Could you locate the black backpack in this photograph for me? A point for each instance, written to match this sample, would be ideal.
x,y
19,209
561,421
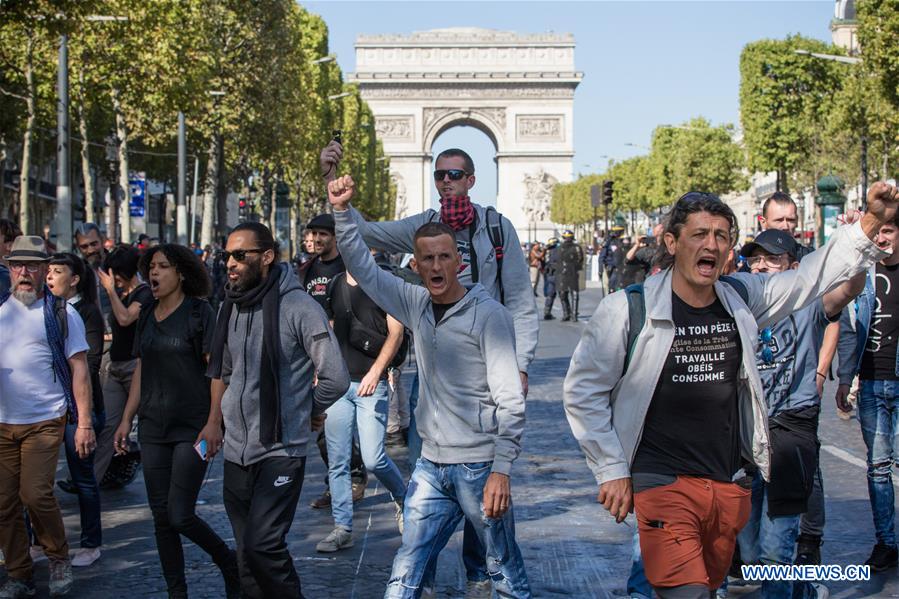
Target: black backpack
x,y
636,312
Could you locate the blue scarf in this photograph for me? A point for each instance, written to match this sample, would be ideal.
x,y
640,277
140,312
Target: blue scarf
x,y
58,348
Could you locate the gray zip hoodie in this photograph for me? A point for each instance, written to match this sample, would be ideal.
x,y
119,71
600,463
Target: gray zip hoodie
x,y
307,346
471,405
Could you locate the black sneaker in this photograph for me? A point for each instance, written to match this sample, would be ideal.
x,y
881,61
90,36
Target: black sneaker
x,y
808,550
883,557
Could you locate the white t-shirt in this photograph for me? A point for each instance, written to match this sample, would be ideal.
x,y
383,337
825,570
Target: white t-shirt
x,y
29,388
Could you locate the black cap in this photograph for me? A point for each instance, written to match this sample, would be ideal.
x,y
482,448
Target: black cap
x,y
322,221
772,241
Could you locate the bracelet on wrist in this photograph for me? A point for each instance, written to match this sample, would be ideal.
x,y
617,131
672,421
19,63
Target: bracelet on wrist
x,y
821,374
85,428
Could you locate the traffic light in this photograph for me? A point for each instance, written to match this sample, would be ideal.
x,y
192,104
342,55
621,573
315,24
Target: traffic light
x,y
607,191
242,210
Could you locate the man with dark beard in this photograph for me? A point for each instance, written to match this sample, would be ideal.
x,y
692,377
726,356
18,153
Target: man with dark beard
x,y
271,341
45,383
90,244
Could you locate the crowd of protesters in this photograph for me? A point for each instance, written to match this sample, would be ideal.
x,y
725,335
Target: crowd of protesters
x,y
694,393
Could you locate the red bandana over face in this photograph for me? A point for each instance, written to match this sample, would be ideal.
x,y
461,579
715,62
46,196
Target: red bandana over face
x,y
457,212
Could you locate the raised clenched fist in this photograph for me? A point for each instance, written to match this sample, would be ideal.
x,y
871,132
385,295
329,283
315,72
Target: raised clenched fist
x,y
340,192
883,201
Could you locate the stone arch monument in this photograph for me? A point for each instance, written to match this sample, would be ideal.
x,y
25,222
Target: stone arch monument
x,y
517,89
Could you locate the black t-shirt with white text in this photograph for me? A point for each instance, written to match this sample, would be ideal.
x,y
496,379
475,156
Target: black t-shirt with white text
x,y
692,426
319,276
879,358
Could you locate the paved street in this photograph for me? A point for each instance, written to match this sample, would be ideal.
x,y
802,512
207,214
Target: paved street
x,y
571,547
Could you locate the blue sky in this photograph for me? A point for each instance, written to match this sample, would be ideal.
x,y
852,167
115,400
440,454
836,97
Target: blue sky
x,y
644,63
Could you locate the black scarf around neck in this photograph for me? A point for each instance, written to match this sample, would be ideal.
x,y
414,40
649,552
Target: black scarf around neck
x,y
269,295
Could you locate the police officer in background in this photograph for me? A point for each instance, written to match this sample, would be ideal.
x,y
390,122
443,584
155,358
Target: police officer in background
x,y
570,261
549,277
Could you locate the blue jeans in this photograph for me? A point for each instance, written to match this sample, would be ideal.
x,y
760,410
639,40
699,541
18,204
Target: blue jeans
x,y
368,416
82,472
766,540
637,584
473,551
877,413
439,496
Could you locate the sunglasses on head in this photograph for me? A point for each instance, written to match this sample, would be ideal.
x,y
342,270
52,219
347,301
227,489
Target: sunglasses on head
x,y
239,255
765,339
454,174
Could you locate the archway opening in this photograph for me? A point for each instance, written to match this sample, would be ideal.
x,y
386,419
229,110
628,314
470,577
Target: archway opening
x,y
482,150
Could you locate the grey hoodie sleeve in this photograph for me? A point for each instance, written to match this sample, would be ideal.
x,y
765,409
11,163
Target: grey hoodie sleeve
x,y
394,236
774,297
519,297
396,297
505,387
846,347
321,346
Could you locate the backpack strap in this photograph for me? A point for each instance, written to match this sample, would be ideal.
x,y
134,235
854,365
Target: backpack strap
x,y
196,327
4,297
636,317
495,231
737,286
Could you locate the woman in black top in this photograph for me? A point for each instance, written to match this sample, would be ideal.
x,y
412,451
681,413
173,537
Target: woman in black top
x,y
170,392
71,279
127,294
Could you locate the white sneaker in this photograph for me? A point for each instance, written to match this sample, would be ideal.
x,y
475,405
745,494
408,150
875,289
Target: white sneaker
x,y
85,556
37,554
399,515
340,538
822,592
478,589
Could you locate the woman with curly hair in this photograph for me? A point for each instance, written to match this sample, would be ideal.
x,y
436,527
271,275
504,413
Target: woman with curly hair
x,y
179,426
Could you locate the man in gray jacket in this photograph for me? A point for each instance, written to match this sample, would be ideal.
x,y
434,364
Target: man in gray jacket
x,y
471,412
271,341
667,423
454,177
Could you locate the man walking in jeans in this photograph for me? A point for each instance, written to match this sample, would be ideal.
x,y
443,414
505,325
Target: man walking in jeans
x,y
45,381
787,362
503,272
271,341
471,411
668,420
360,326
869,331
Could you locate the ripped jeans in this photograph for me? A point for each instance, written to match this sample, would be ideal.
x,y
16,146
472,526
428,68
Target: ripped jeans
x,y
437,498
878,413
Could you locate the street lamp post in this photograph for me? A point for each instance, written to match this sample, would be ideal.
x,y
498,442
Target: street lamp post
x,y
181,206
112,153
864,138
63,183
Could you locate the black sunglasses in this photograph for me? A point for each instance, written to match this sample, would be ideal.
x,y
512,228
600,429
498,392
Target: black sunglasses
x,y
454,174
238,255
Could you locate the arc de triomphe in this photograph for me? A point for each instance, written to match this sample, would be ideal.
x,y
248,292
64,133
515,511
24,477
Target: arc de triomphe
x,y
517,89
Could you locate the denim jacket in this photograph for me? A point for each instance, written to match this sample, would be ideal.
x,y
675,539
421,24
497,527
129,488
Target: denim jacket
x,y
606,410
855,325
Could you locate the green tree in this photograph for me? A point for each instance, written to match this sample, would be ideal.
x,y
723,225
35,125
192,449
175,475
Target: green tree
x,y
784,98
878,34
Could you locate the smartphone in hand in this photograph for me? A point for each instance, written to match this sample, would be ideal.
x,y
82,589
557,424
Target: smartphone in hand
x,y
200,448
